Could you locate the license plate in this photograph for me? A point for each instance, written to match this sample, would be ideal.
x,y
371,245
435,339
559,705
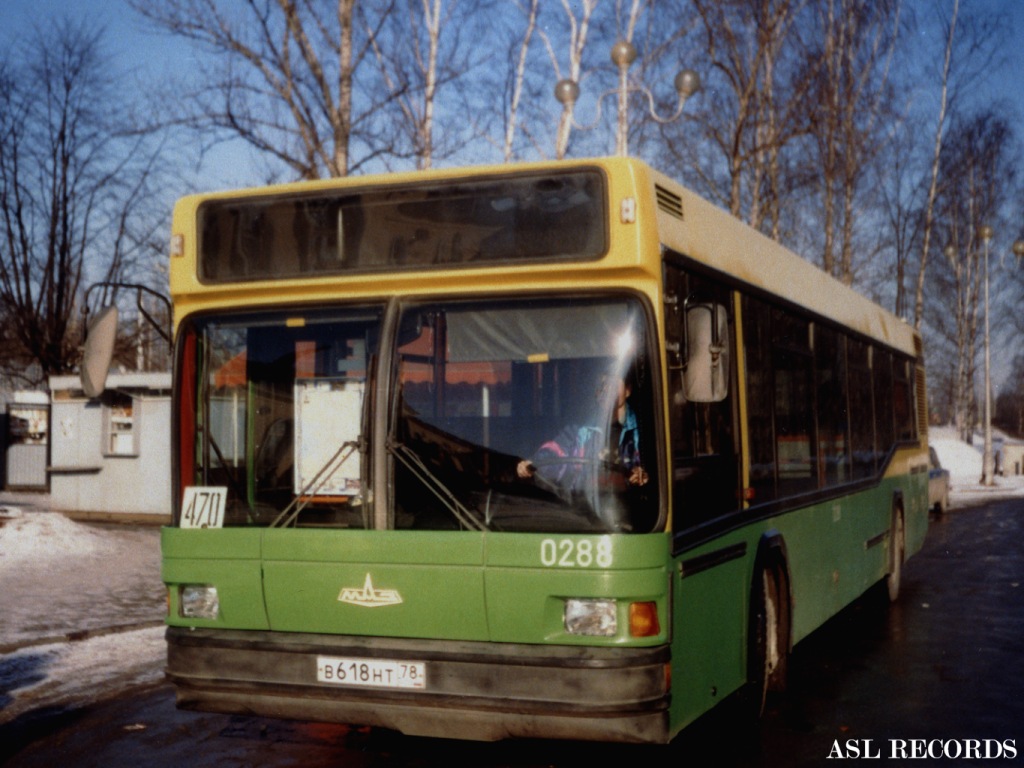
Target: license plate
x,y
371,673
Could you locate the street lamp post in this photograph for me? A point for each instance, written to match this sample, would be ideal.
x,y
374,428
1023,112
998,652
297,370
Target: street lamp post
x,y
987,459
623,54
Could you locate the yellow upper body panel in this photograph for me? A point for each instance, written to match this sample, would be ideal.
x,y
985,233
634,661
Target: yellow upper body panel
x,y
646,210
632,257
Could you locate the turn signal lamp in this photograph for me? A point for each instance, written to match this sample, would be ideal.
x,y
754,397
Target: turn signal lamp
x,y
198,601
643,619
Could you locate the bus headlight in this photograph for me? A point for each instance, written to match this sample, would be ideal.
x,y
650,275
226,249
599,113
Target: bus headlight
x,y
198,601
596,618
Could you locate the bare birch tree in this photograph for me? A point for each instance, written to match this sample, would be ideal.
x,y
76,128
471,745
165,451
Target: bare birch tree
x,y
858,39
428,66
752,107
970,43
775,122
977,176
929,207
959,288
516,81
75,192
579,28
288,78
426,51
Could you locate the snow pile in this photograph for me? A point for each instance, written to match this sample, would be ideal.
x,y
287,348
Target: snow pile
x,y
964,464
81,611
61,578
34,535
962,460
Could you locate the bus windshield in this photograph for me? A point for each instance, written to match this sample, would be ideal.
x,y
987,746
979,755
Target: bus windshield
x,y
279,412
505,416
525,416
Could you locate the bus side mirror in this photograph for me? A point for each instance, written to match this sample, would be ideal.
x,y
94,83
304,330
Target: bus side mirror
x,y
706,378
99,351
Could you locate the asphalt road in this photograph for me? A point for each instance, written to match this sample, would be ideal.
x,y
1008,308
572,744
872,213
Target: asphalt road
x,y
937,678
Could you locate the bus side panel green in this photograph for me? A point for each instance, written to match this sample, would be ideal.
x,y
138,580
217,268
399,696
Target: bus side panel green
x,y
867,517
710,634
529,577
839,549
811,551
831,557
228,559
375,583
835,550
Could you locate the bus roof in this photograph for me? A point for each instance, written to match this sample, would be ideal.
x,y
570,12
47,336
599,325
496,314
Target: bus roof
x,y
705,233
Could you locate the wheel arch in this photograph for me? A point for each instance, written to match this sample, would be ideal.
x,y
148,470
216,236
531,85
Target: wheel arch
x,y
767,655
772,554
897,545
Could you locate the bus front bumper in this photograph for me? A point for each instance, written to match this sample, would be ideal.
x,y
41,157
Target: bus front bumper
x,y
479,691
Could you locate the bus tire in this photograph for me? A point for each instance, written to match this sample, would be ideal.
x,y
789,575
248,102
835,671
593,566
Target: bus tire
x,y
897,549
768,654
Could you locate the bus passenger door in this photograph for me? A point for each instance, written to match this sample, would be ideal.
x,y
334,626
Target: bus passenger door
x,y
710,592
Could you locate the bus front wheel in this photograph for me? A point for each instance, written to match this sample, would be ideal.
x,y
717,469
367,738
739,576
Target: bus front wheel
x,y
769,637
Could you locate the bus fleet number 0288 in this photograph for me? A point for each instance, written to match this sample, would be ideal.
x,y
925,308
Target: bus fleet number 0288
x,y
576,553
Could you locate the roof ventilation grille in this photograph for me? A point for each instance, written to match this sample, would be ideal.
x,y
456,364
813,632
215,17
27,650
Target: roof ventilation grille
x,y
669,202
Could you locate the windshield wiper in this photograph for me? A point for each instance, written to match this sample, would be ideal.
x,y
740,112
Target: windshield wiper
x,y
411,461
291,513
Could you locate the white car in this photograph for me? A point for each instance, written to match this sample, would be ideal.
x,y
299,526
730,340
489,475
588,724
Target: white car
x,y
938,483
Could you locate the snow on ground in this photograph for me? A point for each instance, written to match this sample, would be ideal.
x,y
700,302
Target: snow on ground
x,y
60,577
74,674
964,464
82,608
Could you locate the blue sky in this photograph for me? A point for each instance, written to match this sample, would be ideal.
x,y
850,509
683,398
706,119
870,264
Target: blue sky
x,y
128,39
142,53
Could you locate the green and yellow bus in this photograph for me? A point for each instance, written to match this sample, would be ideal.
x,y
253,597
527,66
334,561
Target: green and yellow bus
x,y
548,450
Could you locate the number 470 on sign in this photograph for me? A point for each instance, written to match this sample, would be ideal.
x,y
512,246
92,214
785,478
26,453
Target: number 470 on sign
x,y
203,507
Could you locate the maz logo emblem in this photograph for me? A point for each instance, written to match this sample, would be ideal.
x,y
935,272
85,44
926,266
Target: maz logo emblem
x,y
368,597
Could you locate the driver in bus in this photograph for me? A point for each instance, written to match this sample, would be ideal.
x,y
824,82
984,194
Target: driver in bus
x,y
562,459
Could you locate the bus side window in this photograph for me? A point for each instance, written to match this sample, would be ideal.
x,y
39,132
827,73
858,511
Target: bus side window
x,y
834,458
793,368
757,353
862,421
